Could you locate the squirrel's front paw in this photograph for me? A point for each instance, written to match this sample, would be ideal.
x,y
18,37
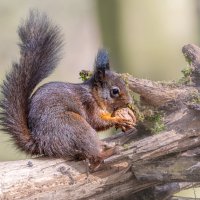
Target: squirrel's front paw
x,y
125,119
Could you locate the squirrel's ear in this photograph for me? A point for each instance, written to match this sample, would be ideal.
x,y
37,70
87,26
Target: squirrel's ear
x,y
101,65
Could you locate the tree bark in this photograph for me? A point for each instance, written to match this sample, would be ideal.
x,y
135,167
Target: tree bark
x,y
148,166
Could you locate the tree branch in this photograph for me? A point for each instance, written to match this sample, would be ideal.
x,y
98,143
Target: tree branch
x,y
153,166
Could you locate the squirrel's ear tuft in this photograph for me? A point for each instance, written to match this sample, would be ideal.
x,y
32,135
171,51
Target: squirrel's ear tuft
x,y
102,60
101,65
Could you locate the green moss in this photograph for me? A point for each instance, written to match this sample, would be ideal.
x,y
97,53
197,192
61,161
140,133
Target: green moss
x,y
146,115
136,107
195,98
126,146
158,127
186,79
154,122
187,72
85,75
188,60
138,114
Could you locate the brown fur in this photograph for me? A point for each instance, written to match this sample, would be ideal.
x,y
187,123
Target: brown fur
x,y
59,119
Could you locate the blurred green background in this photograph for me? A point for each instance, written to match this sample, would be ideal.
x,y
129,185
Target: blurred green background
x,y
143,37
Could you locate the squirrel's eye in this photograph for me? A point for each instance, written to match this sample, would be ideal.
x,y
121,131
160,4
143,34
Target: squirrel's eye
x,y
115,92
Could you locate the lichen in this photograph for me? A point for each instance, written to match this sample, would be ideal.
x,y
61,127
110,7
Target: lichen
x,y
147,116
126,146
188,60
169,84
85,75
156,123
136,107
186,78
125,76
195,98
125,79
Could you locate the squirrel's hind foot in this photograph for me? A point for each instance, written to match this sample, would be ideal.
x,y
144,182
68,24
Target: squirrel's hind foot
x,y
105,153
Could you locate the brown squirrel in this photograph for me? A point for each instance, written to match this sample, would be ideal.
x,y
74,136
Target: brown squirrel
x,y
59,119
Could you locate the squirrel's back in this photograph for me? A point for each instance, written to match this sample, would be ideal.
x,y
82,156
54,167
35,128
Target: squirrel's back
x,y
40,47
59,119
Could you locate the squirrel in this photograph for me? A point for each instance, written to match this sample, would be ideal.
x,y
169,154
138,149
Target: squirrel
x,y
59,119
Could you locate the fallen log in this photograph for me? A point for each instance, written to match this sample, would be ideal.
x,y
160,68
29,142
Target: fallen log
x,y
150,165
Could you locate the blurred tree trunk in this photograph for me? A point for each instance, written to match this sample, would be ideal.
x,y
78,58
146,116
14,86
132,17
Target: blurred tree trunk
x,y
197,4
109,15
145,37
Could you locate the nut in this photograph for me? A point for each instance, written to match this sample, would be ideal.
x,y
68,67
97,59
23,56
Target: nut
x,y
128,115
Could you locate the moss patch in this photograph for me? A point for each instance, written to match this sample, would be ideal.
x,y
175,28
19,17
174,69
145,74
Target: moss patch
x,y
155,122
195,98
188,60
151,119
85,75
186,79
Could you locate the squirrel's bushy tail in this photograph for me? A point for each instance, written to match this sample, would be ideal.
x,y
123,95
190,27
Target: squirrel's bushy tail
x,y
40,47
